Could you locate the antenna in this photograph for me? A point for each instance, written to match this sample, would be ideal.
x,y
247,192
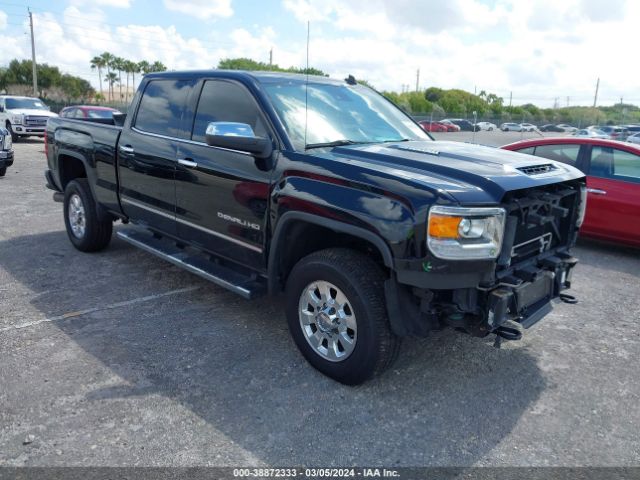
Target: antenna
x,y
306,89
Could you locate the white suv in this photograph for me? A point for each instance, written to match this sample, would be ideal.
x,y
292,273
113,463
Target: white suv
x,y
24,116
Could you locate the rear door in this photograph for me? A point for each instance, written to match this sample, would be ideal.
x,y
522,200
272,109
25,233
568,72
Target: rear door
x,y
613,202
147,153
221,194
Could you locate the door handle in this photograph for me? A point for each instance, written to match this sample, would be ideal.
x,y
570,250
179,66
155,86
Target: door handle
x,y
126,149
596,191
188,163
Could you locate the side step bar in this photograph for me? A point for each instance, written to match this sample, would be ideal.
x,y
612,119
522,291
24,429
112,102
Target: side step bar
x,y
248,286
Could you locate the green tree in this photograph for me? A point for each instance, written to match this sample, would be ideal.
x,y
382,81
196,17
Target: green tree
x,y
97,62
158,66
252,65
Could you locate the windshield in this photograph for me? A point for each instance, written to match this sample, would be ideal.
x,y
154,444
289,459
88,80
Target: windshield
x,y
337,113
33,103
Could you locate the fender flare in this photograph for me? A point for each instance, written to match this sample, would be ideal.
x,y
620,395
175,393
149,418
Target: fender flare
x,y
293,216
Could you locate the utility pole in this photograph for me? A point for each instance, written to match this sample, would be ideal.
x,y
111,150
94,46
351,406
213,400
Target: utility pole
x,y
510,98
418,80
33,56
271,56
568,100
595,97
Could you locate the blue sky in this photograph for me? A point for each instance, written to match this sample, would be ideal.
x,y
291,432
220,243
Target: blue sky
x,y
541,50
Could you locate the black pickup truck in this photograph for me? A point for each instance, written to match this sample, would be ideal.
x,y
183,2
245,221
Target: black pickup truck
x,y
324,190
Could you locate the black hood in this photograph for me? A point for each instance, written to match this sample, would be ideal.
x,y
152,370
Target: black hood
x,y
480,174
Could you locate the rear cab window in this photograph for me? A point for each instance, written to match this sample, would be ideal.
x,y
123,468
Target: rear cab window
x,y
162,107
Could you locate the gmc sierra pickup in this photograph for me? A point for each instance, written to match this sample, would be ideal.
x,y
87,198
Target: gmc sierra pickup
x,y
325,191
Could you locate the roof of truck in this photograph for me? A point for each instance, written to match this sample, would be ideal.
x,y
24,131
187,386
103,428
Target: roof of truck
x,y
259,76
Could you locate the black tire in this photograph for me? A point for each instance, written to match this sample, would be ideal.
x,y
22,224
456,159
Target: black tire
x,y
97,233
3,171
14,137
491,129
362,282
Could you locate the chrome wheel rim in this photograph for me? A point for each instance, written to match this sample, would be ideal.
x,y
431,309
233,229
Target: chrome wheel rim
x,y
328,321
77,219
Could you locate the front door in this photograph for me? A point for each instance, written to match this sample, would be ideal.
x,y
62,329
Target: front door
x,y
221,194
613,186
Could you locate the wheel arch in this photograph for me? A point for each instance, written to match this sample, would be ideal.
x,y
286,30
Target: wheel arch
x,y
295,224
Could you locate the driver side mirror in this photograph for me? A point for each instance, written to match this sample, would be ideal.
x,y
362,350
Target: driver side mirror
x,y
237,136
1,108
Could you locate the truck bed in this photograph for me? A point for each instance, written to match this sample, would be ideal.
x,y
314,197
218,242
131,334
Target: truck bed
x,y
81,140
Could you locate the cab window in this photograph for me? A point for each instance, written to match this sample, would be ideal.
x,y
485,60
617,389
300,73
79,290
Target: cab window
x,y
222,101
565,153
607,162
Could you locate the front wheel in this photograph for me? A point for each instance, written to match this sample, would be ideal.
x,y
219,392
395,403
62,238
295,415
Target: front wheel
x,y
337,316
3,171
85,229
14,137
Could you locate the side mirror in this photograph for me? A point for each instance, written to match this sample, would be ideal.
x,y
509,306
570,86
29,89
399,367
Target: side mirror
x,y
1,108
237,136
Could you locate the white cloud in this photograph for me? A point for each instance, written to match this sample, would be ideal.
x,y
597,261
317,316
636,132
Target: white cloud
x,y
3,20
201,8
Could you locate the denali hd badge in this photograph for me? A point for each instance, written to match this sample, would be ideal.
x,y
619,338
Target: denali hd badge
x,y
239,221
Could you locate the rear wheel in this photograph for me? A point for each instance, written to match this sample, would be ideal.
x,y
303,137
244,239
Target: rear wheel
x,y
85,229
337,316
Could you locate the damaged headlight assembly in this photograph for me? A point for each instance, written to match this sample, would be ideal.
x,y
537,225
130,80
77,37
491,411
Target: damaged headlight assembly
x,y
464,233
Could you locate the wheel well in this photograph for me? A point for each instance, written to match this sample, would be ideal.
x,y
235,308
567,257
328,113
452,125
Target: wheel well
x,y
303,238
70,169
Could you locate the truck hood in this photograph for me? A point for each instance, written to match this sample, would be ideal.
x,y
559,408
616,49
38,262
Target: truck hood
x,y
31,111
470,173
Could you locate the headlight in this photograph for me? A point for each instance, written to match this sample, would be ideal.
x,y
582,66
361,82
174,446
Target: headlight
x,y
8,143
16,119
459,233
582,208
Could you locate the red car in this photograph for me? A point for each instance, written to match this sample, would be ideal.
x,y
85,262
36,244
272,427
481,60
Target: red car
x,y
613,182
88,111
433,126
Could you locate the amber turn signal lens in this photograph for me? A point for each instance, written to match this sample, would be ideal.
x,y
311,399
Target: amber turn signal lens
x,y
441,226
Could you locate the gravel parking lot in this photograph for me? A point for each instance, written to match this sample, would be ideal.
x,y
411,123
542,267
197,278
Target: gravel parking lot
x,y
118,358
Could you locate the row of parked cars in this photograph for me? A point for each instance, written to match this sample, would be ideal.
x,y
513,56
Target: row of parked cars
x,y
27,116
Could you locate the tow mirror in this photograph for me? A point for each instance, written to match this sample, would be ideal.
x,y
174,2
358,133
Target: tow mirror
x,y
237,136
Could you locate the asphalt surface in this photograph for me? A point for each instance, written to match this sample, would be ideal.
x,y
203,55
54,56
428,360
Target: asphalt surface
x,y
118,358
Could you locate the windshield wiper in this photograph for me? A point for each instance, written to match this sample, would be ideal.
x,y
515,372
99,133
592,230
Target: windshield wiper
x,y
335,143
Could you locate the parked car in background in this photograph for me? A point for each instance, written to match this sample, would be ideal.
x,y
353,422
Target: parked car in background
x,y
613,132
567,128
432,126
632,128
451,127
486,126
528,127
635,138
24,116
83,112
6,150
590,133
465,125
550,127
613,182
511,127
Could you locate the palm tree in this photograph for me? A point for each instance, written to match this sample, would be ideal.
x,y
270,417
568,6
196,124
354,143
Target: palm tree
x,y
98,62
135,68
112,77
158,66
144,67
107,58
130,69
118,65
